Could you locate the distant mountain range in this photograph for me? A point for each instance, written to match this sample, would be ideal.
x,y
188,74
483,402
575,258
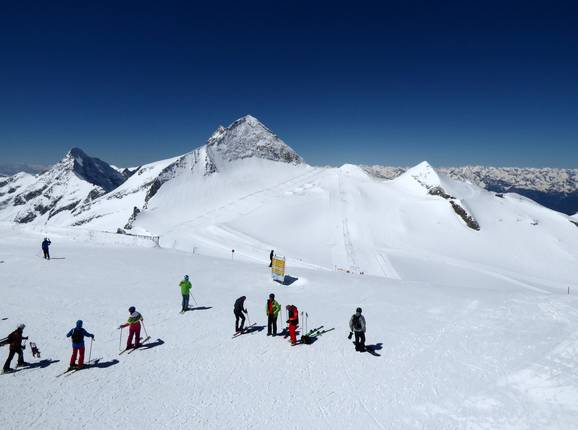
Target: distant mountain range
x,y
556,189
81,189
9,169
246,189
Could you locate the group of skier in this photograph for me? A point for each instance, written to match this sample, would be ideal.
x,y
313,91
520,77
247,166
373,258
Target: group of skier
x,y
357,325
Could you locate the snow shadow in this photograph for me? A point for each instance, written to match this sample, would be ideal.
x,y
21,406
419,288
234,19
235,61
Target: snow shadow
x,y
199,308
253,329
151,345
372,348
40,364
103,364
288,280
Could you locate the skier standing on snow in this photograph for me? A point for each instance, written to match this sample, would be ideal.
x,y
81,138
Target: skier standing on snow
x,y
238,310
15,340
271,258
45,244
357,326
272,310
293,322
186,286
78,334
134,325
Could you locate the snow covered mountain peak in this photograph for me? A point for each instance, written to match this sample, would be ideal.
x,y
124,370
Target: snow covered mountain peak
x,y
90,169
247,137
77,178
424,174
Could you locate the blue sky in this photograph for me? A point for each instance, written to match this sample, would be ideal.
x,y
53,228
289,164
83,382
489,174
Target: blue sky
x,y
394,83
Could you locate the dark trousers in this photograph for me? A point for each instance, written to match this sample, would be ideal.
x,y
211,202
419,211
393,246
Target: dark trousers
x,y
359,341
272,325
46,254
186,302
239,316
11,355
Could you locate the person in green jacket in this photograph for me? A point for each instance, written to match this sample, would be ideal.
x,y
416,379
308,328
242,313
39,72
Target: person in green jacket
x,y
272,311
186,286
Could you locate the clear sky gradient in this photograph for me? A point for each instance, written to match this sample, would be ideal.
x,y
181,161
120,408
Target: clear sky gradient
x,y
493,83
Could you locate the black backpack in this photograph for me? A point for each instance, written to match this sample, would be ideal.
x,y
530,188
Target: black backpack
x,y
77,335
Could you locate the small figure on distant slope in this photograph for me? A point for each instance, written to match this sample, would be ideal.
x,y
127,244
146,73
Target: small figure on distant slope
x,y
238,310
271,258
15,340
134,325
357,326
293,322
272,310
78,334
186,286
45,244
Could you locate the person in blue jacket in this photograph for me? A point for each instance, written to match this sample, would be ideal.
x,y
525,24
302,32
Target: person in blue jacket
x,y
78,334
45,244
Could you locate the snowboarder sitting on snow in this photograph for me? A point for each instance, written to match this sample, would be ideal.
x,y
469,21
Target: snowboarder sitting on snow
x,y
293,322
271,258
272,310
15,340
77,334
357,326
45,244
238,310
186,286
134,325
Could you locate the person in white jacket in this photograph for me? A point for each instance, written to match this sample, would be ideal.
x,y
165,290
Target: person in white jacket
x,y
357,325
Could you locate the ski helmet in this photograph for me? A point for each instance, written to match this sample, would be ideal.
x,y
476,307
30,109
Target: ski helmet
x,y
271,296
79,323
21,326
131,309
358,310
186,277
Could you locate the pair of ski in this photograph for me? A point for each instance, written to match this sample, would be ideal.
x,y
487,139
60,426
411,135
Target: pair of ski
x,y
88,365
312,334
244,331
131,350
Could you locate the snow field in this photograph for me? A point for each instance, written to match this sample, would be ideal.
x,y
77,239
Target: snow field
x,y
478,355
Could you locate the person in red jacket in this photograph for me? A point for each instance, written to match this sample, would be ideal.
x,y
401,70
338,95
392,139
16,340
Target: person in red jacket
x,y
293,322
134,328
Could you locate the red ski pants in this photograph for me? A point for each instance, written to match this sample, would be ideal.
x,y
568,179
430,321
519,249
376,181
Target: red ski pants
x,y
75,352
292,334
133,332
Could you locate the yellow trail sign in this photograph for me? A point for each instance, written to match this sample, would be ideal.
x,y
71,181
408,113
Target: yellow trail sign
x,y
278,269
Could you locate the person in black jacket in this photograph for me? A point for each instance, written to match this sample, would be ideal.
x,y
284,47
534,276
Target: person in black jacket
x,y
45,244
238,310
271,258
15,339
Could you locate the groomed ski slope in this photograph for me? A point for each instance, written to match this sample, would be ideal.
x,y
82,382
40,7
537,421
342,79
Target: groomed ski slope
x,y
479,355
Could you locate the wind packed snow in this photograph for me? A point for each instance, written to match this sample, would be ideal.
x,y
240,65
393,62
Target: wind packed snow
x,y
461,348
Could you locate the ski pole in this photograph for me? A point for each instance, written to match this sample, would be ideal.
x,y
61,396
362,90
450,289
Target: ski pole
x,y
90,350
194,300
120,340
248,318
145,329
